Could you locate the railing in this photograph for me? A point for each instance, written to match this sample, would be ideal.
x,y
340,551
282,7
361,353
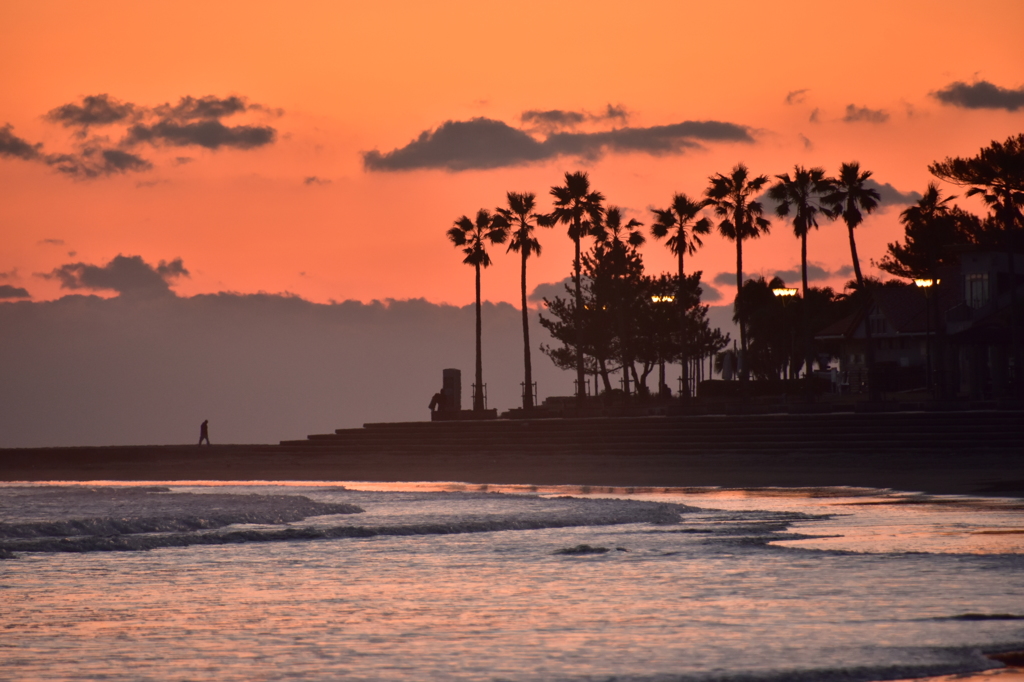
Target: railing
x,y
474,396
522,394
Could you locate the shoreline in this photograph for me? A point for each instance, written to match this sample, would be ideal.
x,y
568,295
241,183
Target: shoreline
x,y
987,474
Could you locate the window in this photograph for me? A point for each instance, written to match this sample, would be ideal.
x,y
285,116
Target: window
x,y
976,289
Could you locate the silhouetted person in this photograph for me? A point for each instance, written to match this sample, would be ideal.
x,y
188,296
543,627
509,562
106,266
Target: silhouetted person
x,y
438,402
204,432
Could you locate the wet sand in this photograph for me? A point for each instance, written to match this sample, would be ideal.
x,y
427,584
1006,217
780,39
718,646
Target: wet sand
x,y
996,474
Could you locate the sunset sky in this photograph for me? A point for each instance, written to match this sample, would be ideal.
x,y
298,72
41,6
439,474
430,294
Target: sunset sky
x,y
268,147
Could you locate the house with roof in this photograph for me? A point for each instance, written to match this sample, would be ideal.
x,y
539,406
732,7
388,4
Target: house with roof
x,y
959,333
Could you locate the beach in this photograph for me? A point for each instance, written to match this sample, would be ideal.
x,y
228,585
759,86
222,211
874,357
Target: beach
x,y
978,474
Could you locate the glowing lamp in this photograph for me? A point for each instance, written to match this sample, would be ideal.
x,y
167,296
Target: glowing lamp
x,y
925,283
662,299
784,291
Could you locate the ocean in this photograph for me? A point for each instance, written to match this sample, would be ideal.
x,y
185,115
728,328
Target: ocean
x,y
449,581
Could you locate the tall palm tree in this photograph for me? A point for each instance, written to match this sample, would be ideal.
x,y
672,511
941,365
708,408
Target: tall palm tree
x,y
730,196
581,209
681,217
850,198
472,237
801,195
516,217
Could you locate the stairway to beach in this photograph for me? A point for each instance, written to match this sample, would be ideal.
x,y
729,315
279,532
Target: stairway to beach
x,y
936,433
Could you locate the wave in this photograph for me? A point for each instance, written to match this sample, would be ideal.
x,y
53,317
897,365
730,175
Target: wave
x,y
108,534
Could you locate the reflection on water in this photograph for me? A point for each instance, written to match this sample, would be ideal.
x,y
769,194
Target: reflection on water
x,y
838,583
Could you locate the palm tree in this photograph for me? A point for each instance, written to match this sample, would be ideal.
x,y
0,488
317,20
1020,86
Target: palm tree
x,y
849,199
730,195
680,216
801,194
516,218
471,236
579,208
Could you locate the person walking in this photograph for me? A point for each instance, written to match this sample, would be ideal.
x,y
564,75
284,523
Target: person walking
x,y
204,432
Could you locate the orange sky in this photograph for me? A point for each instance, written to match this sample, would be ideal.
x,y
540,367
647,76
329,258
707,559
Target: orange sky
x,y
341,79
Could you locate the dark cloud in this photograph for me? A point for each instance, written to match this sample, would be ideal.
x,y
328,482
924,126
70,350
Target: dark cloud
x,y
725,278
194,108
890,196
52,242
84,370
807,142
482,143
558,119
316,180
981,95
95,110
13,146
709,294
796,96
192,122
549,290
210,133
93,163
844,271
856,114
8,291
815,115
127,275
555,118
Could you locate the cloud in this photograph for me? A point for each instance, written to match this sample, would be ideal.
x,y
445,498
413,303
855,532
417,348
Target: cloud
x,y
191,122
211,134
807,142
14,147
844,271
796,96
815,273
709,294
8,291
890,196
127,275
52,242
815,116
315,180
981,95
549,290
551,120
93,163
261,367
725,278
95,110
856,114
483,143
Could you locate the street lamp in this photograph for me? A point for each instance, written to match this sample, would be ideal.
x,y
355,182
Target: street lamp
x,y
927,285
784,291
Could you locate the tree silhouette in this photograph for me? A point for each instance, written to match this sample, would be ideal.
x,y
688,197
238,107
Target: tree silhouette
x,y
472,237
679,220
615,250
516,217
731,195
850,199
579,208
996,174
932,231
800,195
